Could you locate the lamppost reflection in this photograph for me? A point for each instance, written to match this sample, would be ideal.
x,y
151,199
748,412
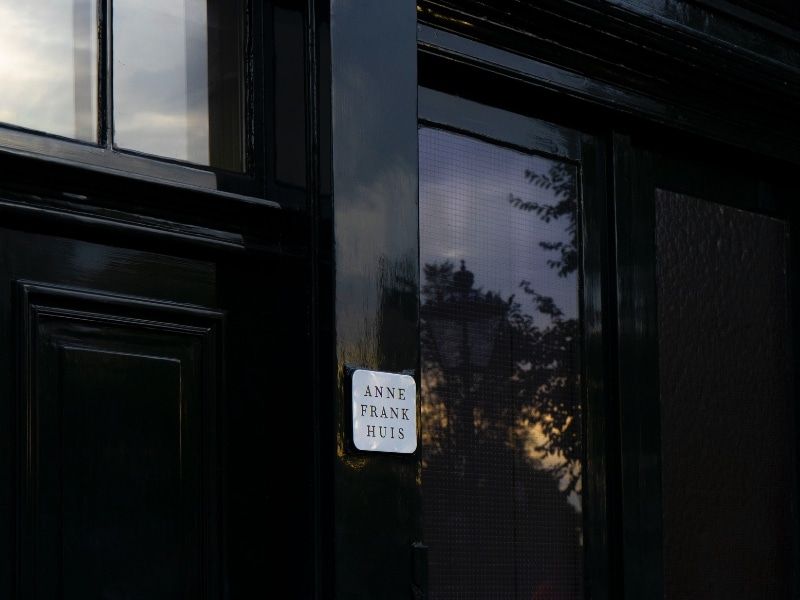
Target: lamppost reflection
x,y
466,329
465,325
497,523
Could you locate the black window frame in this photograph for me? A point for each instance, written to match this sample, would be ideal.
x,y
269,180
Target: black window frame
x,y
102,157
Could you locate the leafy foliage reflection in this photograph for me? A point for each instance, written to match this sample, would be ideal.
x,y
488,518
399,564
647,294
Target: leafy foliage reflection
x,y
524,392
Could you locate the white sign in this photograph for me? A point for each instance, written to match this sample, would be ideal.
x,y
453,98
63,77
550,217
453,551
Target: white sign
x,y
384,412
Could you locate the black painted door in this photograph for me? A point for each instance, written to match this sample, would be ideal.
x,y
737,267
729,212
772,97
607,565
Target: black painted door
x,y
110,390
142,449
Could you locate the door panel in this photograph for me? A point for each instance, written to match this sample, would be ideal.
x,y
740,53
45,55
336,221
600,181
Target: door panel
x,y
118,360
726,405
707,391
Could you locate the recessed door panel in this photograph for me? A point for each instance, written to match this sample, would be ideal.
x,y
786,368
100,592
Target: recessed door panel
x,y
115,421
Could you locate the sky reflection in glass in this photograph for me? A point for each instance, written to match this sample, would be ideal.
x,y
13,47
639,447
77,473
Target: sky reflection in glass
x,y
48,66
161,78
175,68
499,242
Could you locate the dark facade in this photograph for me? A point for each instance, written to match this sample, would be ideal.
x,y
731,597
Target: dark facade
x,y
180,329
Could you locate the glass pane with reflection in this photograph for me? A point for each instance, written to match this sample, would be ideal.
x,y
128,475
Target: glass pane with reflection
x,y
501,410
178,80
48,66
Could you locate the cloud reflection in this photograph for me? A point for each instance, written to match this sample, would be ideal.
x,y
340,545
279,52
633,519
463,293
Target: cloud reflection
x,y
39,43
49,73
161,78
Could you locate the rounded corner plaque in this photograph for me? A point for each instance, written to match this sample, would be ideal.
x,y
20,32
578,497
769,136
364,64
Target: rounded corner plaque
x,y
384,411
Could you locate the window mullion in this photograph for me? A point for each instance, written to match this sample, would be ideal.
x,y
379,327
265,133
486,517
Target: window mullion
x,y
105,120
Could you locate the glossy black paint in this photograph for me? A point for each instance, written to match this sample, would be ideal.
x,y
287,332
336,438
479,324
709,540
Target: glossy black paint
x,y
637,371
243,259
66,276
600,500
119,450
673,63
308,282
374,143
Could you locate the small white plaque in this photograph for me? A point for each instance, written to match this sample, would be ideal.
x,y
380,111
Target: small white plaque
x,y
384,412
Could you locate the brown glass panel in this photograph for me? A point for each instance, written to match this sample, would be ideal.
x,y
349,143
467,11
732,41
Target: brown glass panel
x,y
501,415
726,405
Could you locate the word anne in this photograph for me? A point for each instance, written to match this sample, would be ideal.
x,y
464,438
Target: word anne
x,y
390,392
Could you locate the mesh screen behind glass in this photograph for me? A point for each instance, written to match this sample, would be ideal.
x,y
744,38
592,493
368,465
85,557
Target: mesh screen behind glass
x,y
501,416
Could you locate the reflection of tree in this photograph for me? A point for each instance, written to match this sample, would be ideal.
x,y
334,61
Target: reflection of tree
x,y
543,378
551,379
560,180
461,326
502,419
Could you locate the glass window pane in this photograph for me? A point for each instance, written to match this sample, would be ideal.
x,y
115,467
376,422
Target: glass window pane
x,y
48,66
178,77
727,407
501,410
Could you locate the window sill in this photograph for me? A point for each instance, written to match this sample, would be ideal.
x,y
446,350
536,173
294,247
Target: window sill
x,y
77,154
